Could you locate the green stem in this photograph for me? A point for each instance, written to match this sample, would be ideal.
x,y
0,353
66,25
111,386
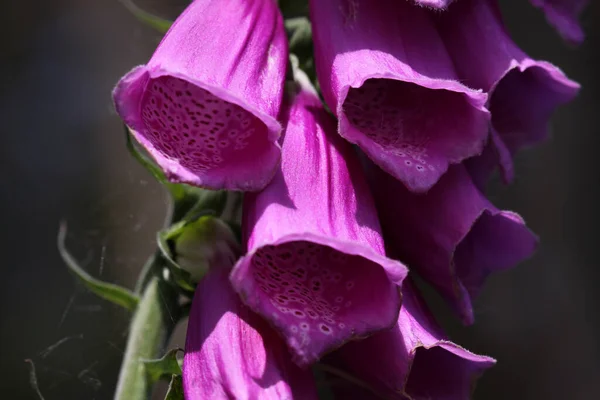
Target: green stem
x,y
158,310
151,326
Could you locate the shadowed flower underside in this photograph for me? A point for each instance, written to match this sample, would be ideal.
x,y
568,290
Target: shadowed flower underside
x,y
452,236
524,93
412,361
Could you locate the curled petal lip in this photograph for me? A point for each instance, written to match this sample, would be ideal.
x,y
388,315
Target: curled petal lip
x,y
570,87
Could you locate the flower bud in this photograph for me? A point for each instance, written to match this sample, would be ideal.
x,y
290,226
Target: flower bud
x,y
203,243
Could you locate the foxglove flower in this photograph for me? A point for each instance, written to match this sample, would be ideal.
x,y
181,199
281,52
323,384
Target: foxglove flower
x,y
413,360
315,265
452,236
232,353
563,15
523,92
205,105
386,74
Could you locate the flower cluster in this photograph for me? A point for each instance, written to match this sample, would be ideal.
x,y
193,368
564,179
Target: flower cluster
x,y
429,98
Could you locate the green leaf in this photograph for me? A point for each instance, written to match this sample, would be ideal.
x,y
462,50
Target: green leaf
x,y
108,291
160,24
163,367
175,391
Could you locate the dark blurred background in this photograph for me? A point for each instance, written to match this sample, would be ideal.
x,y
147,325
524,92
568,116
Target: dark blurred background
x,y
63,158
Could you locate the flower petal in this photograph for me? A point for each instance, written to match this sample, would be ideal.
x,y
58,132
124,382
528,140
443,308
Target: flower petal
x,y
413,360
232,353
524,93
385,72
563,15
206,115
315,265
435,4
452,236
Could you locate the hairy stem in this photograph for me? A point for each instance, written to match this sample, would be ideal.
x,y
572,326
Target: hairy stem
x,y
151,326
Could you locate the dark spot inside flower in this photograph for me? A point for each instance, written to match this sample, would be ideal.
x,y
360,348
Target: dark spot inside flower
x,y
157,112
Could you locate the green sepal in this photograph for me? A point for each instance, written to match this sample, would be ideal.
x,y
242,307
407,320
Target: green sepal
x,y
178,275
175,391
206,202
187,200
160,24
177,191
108,291
300,33
164,367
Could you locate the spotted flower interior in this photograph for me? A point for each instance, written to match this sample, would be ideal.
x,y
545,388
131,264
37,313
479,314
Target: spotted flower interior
x,y
395,116
198,129
317,295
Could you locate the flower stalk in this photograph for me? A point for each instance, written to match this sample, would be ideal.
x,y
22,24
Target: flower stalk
x,y
151,326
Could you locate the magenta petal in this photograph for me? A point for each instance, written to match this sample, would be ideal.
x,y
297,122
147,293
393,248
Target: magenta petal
x,y
435,4
414,359
563,15
208,116
452,236
315,265
524,93
385,71
231,353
